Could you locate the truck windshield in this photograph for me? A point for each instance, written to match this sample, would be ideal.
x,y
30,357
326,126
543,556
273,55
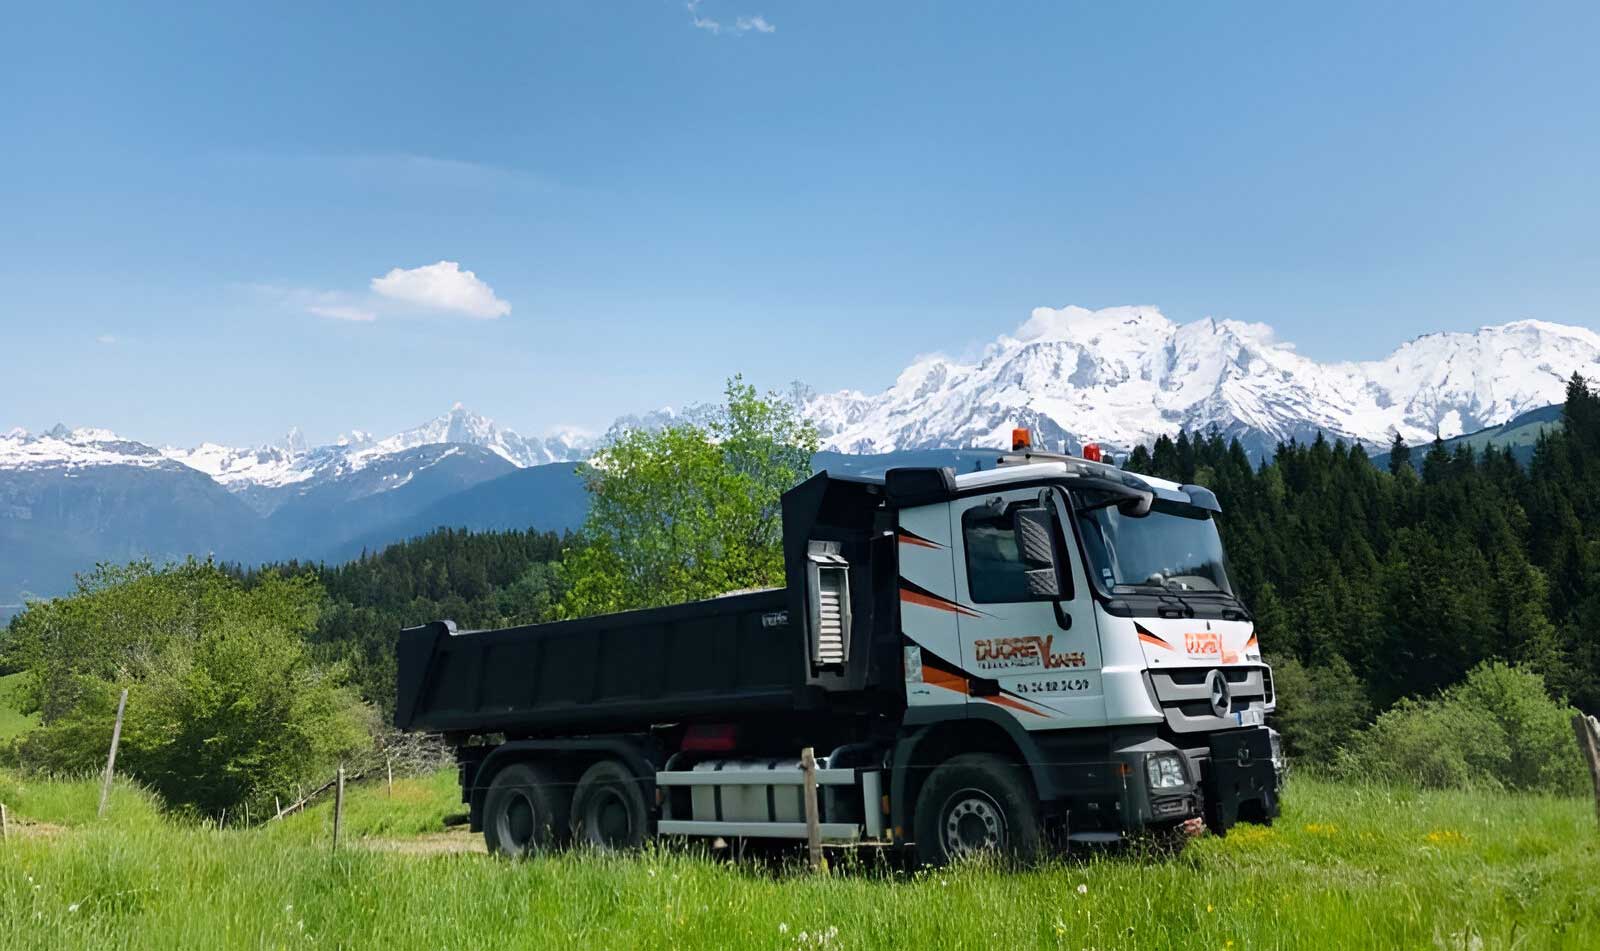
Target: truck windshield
x,y
1174,548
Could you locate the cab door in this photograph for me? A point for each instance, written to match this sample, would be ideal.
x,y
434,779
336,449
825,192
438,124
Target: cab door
x,y
1029,652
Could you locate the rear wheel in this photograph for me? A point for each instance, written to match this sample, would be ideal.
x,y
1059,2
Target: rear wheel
x,y
608,808
524,811
976,804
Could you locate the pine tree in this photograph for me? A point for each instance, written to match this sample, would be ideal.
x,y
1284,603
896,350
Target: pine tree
x,y
1399,454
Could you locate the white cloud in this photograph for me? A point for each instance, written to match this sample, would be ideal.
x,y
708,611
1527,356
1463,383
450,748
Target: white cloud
x,y
743,24
442,286
106,339
342,312
700,22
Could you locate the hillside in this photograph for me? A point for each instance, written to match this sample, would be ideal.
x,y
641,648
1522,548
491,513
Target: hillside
x,y
1518,436
548,497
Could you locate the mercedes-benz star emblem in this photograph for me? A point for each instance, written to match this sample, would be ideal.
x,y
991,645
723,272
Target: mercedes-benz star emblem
x,y
1221,696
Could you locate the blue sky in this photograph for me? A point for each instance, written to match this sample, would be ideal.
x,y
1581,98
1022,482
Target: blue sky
x,y
193,202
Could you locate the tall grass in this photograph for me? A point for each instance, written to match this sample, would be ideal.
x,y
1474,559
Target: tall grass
x,y
1345,867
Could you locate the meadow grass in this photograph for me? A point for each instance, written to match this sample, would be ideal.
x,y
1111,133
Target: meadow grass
x,y
1345,867
13,722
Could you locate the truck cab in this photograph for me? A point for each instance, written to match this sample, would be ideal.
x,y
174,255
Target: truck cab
x,y
1088,614
1044,652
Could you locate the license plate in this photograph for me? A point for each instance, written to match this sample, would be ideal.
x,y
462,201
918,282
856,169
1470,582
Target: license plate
x,y
1247,717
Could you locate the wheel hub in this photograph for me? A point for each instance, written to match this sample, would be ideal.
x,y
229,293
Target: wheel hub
x,y
610,819
518,825
973,823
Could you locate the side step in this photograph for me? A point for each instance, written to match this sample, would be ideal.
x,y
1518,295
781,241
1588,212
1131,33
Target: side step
x,y
831,831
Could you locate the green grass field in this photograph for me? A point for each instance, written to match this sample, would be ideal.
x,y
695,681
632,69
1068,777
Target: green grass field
x,y
1345,867
13,722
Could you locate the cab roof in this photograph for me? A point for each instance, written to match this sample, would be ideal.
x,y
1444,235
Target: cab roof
x,y
911,486
1055,468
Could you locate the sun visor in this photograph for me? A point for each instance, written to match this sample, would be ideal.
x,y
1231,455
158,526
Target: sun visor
x,y
1202,498
919,486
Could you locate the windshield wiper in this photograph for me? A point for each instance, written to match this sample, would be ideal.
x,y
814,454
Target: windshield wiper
x,y
1185,609
1236,611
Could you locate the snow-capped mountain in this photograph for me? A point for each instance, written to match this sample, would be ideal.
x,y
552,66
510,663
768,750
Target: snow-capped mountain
x,y
1125,375
1118,376
264,475
462,427
63,448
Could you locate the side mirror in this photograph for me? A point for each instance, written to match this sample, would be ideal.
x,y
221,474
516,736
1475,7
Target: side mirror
x,y
1035,532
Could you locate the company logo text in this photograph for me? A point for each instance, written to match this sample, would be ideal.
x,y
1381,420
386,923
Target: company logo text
x,y
1033,651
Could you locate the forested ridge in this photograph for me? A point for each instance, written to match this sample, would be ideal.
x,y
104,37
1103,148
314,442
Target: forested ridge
x,y
1389,584
477,579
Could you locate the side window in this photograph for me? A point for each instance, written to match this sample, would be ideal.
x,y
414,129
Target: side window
x,y
995,572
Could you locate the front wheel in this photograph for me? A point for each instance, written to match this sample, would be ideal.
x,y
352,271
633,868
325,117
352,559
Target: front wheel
x,y
976,804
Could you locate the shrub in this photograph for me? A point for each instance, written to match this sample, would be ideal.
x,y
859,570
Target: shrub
x,y
224,711
1498,728
1319,708
688,511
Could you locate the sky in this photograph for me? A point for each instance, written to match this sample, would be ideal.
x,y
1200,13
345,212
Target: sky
x,y
219,221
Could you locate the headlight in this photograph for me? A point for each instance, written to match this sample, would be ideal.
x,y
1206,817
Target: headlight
x,y
1165,770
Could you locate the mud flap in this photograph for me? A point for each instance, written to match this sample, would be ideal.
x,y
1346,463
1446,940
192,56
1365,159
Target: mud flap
x,y
1240,780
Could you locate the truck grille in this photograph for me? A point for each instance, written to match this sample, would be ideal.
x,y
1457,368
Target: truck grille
x,y
1185,697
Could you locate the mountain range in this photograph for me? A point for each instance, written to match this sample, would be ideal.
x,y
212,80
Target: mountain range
x,y
1125,375
1118,377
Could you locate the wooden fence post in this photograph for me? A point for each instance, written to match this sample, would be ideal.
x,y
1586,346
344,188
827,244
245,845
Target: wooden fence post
x,y
388,765
338,807
1589,743
111,759
808,763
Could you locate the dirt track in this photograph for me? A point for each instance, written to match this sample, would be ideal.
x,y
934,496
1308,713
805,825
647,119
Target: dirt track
x,y
433,843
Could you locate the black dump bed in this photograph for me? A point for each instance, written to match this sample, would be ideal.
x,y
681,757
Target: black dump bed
x,y
730,656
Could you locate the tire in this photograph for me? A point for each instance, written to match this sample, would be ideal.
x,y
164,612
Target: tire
x,y
974,805
525,811
608,808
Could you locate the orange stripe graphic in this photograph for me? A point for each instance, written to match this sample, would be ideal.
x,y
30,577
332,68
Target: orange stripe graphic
x,y
911,538
1005,701
1250,643
1149,638
944,678
929,601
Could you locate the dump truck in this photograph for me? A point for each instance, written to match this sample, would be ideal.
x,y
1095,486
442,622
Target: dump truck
x,y
1004,661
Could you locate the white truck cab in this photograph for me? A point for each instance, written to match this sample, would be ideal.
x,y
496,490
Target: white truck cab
x,y
1090,611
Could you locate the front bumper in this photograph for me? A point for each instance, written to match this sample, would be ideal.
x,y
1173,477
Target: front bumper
x,y
1239,778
